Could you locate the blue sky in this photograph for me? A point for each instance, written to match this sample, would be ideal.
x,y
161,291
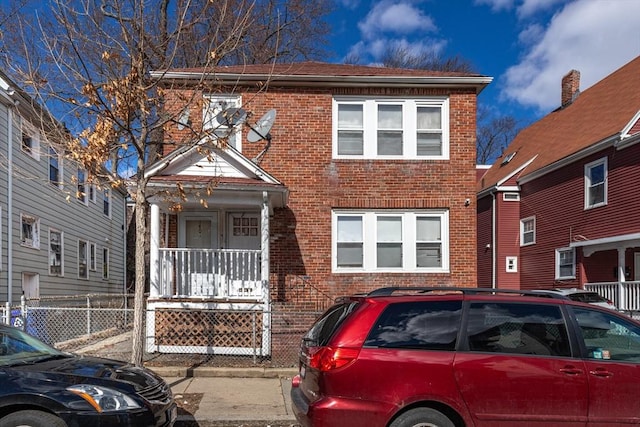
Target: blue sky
x,y
525,45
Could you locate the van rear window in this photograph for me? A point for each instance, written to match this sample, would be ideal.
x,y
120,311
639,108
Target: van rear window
x,y
324,328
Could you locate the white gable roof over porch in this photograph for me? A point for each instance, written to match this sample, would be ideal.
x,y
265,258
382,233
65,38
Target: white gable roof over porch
x,y
207,160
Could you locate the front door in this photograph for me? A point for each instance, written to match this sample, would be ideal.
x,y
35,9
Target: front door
x,y
243,260
636,266
198,232
244,230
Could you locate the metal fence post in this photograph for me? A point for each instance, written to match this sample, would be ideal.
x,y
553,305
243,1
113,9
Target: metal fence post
x,y
88,315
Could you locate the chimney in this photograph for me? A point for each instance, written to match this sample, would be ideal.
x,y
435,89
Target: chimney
x,y
570,87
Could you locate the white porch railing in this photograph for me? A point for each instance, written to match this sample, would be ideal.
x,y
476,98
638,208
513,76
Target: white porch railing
x,y
213,273
624,295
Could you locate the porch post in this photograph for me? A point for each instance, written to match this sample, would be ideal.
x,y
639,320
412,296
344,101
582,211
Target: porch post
x,y
264,246
154,252
622,295
264,276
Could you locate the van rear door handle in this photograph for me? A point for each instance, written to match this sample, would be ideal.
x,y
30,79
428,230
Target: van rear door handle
x,y
601,372
571,370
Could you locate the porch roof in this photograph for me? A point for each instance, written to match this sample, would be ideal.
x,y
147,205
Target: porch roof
x,y
278,193
607,243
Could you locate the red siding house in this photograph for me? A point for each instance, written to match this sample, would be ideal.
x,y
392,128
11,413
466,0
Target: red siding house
x,y
560,207
366,178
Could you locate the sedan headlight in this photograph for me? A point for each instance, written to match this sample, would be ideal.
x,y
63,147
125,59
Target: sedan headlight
x,y
104,399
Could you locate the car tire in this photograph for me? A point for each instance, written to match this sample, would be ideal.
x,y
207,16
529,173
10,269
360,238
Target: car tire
x,y
422,417
31,418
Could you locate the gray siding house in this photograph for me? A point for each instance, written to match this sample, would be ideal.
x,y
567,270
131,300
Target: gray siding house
x,y
59,233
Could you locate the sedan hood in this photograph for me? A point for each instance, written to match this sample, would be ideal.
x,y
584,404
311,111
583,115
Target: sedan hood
x,y
78,367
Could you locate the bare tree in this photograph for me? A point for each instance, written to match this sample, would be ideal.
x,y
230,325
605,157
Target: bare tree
x,y
494,134
89,61
402,57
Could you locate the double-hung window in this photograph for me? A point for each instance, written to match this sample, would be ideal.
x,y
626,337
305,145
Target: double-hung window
x,y
393,241
595,183
82,194
528,231
30,231
390,128
30,140
565,263
56,250
55,168
221,126
106,202
83,259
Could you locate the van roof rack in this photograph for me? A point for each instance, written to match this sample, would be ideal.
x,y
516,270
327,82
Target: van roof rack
x,y
391,290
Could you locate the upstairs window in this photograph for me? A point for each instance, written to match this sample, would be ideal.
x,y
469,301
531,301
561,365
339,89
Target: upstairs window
x,y
216,104
82,194
55,169
388,128
30,140
595,184
528,231
106,202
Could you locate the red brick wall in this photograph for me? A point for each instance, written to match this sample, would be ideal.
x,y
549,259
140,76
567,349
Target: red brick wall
x,y
300,156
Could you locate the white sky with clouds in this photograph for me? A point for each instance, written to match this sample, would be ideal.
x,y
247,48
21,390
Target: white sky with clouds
x,y
526,45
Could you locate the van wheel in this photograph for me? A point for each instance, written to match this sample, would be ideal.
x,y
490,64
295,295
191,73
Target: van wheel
x,y
31,419
422,417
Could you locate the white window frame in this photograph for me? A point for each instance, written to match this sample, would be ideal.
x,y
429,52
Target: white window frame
x,y
52,253
105,263
588,185
560,251
34,223
86,259
93,262
28,130
523,222
107,202
92,193
215,104
55,155
409,240
409,126
511,264
82,190
511,197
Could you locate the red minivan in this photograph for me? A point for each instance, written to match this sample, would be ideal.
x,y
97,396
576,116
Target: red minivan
x,y
445,357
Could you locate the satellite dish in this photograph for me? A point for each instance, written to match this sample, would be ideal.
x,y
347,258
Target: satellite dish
x,y
231,116
262,127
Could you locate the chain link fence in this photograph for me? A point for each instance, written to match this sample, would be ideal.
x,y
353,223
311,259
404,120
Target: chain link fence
x,y
181,336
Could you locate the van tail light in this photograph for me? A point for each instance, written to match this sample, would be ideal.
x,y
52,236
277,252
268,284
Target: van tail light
x,y
329,358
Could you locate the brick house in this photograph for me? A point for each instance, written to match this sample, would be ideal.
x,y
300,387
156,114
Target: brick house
x,y
366,178
558,209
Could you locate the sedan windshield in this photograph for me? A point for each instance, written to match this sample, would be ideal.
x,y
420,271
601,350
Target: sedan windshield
x,y
17,347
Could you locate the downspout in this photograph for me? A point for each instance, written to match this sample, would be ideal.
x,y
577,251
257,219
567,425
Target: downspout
x,y
493,240
125,229
10,205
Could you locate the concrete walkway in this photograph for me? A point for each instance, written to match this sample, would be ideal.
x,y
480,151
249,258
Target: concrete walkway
x,y
216,397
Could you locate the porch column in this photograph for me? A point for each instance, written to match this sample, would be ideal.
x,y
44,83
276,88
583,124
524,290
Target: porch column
x,y
264,246
622,295
154,252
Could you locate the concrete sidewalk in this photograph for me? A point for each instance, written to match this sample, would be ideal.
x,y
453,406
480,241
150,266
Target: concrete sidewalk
x,y
213,396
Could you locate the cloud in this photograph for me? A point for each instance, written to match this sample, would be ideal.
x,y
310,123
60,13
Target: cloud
x,y
595,37
497,5
395,17
392,23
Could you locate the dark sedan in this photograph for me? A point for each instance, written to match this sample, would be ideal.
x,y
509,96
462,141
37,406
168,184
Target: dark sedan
x,y
44,387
